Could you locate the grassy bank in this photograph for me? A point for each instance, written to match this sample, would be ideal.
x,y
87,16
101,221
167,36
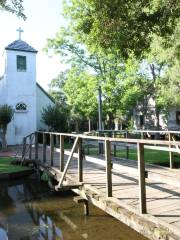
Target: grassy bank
x,y
7,167
151,156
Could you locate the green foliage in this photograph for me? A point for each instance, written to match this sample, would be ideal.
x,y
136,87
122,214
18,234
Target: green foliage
x,y
13,6
6,114
130,48
124,25
81,91
55,117
55,88
96,66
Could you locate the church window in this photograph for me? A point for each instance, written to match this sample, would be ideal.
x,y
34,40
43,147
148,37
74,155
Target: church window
x,y
21,63
21,107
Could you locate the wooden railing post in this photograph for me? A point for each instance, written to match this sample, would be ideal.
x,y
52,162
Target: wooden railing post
x,y
36,145
44,147
80,160
30,146
24,148
51,149
100,144
114,145
61,153
127,147
108,168
171,159
142,183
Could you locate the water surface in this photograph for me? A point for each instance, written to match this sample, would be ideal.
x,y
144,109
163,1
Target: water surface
x,y
30,211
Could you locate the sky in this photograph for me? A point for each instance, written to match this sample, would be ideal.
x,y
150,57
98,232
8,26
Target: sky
x,y
44,17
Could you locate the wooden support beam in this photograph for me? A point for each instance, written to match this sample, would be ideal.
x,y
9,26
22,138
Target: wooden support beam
x,y
171,159
114,146
142,183
127,147
67,165
30,146
101,150
87,144
44,147
51,149
79,199
80,160
24,148
36,145
108,168
86,208
61,153
61,156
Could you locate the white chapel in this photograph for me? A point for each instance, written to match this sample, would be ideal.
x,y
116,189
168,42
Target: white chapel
x,y
18,88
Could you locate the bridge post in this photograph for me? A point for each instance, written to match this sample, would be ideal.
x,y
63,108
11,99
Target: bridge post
x,y
36,145
114,145
61,153
44,147
127,147
108,168
171,160
80,160
30,146
142,183
24,148
51,148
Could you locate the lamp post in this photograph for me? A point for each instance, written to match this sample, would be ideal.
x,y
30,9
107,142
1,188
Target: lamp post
x,y
100,117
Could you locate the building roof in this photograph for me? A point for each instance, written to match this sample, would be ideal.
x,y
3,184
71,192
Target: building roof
x,y
42,89
19,45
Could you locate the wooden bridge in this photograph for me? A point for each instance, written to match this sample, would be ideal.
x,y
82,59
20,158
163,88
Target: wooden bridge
x,y
145,197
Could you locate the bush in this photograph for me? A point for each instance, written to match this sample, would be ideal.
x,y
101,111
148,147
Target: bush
x,y
56,117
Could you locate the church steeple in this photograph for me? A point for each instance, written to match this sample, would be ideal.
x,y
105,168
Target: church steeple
x,y
19,45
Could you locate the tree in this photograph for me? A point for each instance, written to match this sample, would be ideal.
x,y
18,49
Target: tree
x,y
124,25
56,117
56,88
80,89
102,66
113,39
13,6
6,114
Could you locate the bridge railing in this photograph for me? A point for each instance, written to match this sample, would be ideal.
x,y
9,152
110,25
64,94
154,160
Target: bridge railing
x,y
32,142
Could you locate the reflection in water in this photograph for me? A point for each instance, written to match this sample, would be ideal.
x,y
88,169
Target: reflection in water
x,y
29,211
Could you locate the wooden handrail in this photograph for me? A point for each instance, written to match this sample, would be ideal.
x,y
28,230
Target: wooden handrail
x,y
125,140
162,145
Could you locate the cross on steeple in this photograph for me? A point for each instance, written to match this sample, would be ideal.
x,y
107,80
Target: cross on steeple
x,y
20,31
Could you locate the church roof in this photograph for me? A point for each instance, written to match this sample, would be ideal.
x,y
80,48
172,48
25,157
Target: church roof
x,y
19,45
42,89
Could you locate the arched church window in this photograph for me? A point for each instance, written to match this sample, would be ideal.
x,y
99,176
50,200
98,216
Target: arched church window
x,y
21,107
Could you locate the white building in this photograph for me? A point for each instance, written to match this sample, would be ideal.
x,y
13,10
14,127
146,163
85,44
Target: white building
x,y
18,88
145,118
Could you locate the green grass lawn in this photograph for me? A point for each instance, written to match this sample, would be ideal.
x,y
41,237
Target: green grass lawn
x,y
7,167
151,156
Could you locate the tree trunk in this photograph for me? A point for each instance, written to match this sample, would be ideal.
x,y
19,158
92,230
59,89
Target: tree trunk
x,y
4,141
157,126
76,126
